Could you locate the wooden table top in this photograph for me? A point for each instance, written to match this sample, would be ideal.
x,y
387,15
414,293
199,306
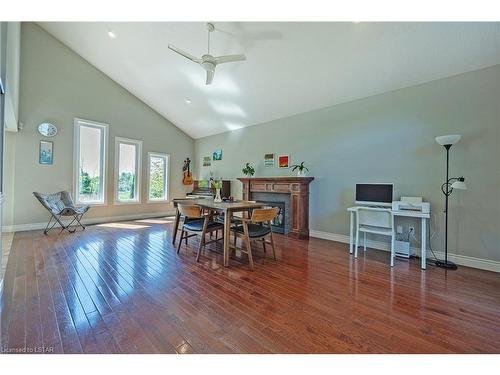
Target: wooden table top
x,y
222,206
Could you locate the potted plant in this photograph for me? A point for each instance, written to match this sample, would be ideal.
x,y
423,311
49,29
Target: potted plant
x,y
248,171
217,185
300,168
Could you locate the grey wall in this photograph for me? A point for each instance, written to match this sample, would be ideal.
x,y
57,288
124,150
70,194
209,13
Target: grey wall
x,y
57,85
388,138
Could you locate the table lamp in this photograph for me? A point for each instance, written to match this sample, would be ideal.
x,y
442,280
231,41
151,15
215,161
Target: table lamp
x,y
447,188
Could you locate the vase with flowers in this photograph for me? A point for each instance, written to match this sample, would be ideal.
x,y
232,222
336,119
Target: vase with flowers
x,y
217,185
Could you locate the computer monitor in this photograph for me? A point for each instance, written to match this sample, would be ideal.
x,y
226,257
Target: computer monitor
x,y
374,194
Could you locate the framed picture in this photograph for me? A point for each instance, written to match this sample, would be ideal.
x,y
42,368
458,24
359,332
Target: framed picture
x,y
217,155
46,154
269,160
284,161
206,161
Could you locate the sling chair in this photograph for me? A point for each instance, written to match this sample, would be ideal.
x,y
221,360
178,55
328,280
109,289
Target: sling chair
x,y
60,204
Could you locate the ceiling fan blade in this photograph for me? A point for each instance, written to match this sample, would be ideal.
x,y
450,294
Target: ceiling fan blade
x,y
185,54
229,58
210,76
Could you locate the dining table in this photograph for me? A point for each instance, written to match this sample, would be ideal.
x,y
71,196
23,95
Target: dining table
x,y
227,208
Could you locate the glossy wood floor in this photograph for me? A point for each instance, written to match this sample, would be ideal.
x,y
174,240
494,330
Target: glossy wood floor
x,y
121,288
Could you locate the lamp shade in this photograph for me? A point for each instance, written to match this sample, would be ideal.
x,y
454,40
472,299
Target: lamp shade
x,y
445,140
459,185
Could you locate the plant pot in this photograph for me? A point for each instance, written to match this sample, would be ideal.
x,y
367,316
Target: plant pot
x,y
301,173
217,198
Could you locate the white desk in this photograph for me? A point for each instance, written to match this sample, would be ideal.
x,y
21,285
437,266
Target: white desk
x,y
407,213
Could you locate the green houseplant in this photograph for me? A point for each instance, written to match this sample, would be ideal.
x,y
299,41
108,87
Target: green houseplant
x,y
300,168
248,170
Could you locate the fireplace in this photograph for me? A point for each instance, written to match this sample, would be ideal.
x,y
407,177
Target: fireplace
x,y
278,225
293,191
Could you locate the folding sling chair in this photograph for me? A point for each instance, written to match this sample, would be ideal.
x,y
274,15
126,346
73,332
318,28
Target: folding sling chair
x,y
60,204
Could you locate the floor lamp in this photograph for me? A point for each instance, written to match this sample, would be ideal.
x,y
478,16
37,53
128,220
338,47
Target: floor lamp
x,y
447,188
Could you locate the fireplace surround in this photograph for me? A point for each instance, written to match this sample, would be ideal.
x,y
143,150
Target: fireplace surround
x,y
296,188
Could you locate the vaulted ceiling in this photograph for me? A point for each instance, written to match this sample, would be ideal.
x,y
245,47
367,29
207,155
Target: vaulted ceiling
x,y
290,68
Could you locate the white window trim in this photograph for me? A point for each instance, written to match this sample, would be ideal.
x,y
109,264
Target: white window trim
x,y
167,177
138,161
76,159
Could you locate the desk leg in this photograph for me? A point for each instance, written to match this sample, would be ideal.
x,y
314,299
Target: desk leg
x,y
227,231
423,254
176,224
350,233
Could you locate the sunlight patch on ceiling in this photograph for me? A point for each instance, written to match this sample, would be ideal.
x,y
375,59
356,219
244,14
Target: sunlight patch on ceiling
x,y
222,84
227,108
233,126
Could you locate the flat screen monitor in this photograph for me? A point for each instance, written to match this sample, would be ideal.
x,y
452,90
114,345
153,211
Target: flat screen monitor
x,y
374,194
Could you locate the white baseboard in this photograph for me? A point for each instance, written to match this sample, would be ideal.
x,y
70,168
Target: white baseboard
x,y
463,260
95,220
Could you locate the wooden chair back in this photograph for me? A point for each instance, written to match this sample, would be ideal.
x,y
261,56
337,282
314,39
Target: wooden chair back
x,y
190,211
262,215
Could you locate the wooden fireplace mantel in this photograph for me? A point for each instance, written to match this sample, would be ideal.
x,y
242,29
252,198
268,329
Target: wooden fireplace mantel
x,y
296,187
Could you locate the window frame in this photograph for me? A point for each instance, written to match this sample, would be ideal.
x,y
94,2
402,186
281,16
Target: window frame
x,y
138,163
166,199
78,122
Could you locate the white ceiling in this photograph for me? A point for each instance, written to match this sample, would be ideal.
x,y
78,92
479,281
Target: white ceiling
x,y
290,68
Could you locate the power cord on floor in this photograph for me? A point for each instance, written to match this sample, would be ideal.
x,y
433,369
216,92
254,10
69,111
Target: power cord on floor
x,y
411,234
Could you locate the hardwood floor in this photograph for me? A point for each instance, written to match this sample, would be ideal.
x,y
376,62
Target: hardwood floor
x,y
121,288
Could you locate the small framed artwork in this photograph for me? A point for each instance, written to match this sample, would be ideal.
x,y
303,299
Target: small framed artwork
x,y
269,160
46,152
217,155
284,161
206,161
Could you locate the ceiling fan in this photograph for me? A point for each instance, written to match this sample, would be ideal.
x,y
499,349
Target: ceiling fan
x,y
207,61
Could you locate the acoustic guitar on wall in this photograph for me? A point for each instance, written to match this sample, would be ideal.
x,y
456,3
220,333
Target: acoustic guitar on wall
x,y
188,177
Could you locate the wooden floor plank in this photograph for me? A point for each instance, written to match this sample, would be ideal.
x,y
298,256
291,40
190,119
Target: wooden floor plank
x,y
50,330
124,289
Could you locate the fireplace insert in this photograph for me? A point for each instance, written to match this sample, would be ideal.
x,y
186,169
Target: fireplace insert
x,y
278,225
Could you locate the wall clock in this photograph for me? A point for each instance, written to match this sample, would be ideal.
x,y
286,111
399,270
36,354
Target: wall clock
x,y
47,129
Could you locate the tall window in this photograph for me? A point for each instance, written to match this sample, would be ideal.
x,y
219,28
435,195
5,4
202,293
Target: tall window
x,y
90,162
127,170
158,177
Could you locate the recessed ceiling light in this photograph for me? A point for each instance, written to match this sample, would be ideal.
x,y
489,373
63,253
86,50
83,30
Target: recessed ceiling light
x,y
111,34
188,101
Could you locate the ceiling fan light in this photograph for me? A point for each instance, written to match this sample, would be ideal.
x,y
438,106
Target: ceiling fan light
x,y
208,66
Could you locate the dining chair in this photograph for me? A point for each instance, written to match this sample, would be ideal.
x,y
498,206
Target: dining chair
x,y
376,221
256,227
196,222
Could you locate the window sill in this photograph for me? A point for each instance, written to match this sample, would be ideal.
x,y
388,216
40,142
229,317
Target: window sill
x,y
166,201
91,204
124,203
